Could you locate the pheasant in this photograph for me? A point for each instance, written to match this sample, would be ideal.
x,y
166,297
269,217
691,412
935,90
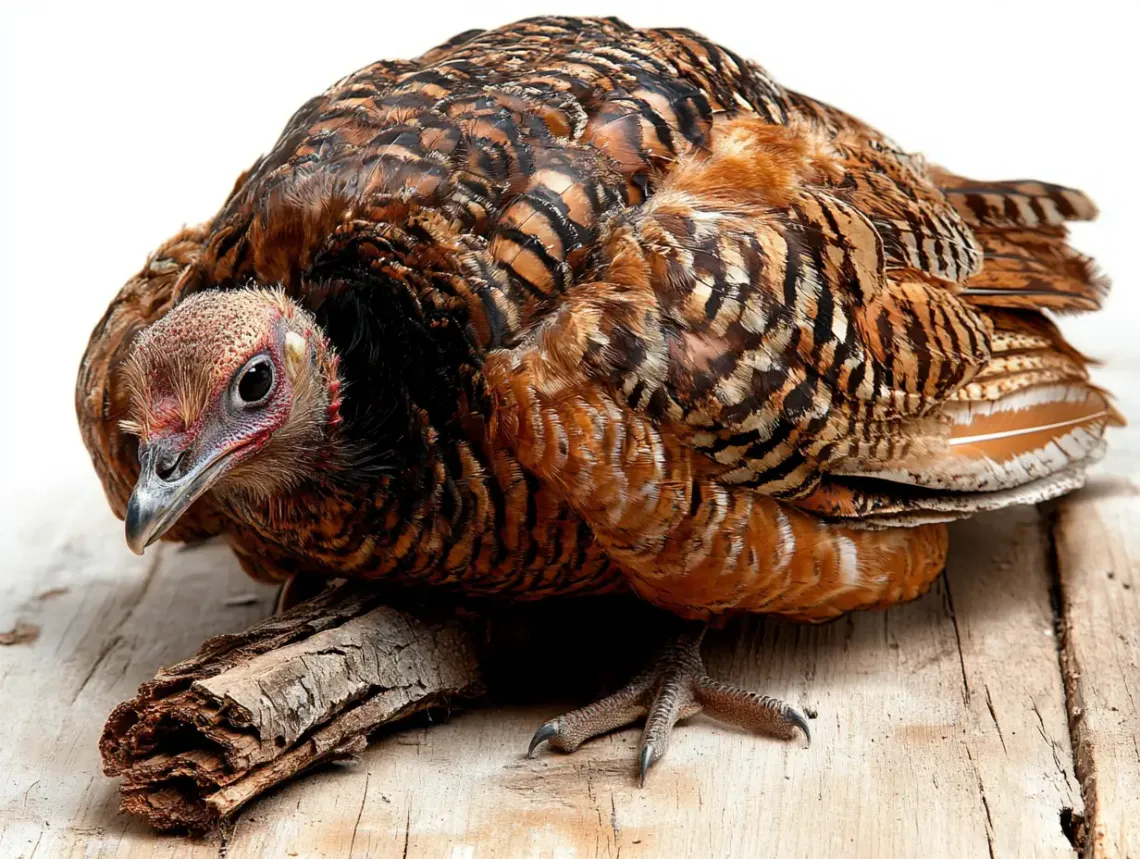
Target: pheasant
x,y
568,307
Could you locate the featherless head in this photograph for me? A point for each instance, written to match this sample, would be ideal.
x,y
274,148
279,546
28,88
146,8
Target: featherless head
x,y
233,391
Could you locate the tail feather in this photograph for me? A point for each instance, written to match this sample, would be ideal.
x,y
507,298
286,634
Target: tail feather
x,y
1035,269
1029,422
1012,441
1017,438
1014,204
1027,261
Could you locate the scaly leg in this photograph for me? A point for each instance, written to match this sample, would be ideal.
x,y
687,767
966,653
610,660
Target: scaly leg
x,y
675,687
298,588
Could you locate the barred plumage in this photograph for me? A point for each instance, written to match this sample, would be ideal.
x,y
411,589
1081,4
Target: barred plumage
x,y
612,308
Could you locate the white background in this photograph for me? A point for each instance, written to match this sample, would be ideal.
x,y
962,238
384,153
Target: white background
x,y
120,123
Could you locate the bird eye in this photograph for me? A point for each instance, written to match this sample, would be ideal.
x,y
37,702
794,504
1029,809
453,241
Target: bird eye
x,y
255,383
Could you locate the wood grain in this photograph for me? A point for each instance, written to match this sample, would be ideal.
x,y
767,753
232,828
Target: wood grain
x,y
941,728
1098,561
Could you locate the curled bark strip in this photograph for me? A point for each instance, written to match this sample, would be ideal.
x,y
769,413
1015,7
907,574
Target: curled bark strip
x,y
254,709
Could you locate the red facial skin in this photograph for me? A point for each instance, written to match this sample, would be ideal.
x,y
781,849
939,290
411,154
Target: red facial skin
x,y
185,369
224,428
198,435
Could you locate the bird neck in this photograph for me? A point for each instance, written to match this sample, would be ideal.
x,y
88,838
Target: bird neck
x,y
408,354
400,524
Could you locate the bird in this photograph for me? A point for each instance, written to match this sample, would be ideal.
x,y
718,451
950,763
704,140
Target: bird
x,y
571,308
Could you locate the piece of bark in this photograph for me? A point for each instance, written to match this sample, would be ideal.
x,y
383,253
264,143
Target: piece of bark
x,y
306,687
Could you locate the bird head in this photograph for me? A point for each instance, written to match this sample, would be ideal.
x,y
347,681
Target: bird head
x,y
232,391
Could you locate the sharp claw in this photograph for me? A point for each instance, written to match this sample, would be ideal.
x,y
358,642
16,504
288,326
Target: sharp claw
x,y
800,722
543,734
646,760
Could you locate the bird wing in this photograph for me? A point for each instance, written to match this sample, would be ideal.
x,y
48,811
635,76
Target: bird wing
x,y
802,305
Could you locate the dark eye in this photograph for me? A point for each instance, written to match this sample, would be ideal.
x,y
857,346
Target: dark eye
x,y
255,383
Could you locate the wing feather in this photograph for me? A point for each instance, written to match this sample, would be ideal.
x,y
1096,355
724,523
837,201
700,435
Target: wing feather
x,y
1029,413
763,321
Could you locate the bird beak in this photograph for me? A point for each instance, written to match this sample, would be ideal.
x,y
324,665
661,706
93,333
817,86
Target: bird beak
x,y
157,501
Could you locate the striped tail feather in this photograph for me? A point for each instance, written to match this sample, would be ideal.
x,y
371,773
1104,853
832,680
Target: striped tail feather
x,y
1037,269
1028,262
1013,204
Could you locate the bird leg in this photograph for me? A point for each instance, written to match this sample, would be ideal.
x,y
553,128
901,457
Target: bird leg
x,y
674,687
299,588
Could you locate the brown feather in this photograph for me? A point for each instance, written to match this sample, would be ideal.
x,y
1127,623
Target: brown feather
x,y
1035,269
1014,204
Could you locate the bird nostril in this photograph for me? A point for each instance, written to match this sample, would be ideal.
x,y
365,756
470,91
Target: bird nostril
x,y
168,464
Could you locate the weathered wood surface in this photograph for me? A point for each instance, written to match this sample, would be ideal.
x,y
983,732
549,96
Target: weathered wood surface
x,y
1098,560
941,730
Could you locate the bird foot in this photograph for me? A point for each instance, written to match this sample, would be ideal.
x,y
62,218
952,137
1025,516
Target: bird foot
x,y
675,687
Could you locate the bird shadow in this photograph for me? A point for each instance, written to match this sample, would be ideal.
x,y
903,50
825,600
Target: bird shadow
x,y
999,572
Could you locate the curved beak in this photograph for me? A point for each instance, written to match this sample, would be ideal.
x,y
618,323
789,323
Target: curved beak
x,y
158,501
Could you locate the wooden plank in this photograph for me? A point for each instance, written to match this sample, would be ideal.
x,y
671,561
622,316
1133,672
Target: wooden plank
x,y
1098,560
941,732
1018,741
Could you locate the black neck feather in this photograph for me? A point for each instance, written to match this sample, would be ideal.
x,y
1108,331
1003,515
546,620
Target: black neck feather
x,y
407,361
